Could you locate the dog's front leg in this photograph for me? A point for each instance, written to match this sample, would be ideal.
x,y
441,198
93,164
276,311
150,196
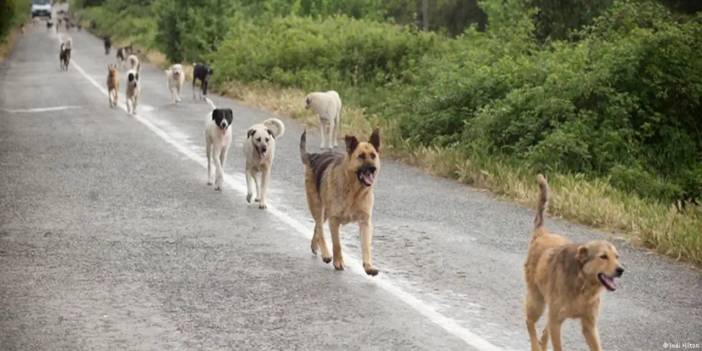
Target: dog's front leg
x,y
554,328
210,173
334,225
219,177
250,179
589,325
265,176
366,228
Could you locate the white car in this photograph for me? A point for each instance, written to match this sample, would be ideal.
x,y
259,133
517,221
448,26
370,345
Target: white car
x,y
41,8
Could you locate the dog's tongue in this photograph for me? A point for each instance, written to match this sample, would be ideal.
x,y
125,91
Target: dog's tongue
x,y
368,178
609,283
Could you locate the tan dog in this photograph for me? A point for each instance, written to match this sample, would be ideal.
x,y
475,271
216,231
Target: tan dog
x,y
112,85
259,149
339,188
566,277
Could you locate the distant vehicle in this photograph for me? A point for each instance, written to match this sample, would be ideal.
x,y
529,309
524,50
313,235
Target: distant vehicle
x,y
41,8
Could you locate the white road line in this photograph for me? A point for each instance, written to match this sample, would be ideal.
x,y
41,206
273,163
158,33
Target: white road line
x,y
448,324
40,109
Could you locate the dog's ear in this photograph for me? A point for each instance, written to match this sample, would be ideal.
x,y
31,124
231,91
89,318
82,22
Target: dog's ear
x,y
351,143
250,133
375,139
583,254
270,132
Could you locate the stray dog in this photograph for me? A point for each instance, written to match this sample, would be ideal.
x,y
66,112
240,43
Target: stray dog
x,y
112,85
218,138
339,188
175,77
132,91
259,149
201,72
122,54
566,277
327,105
49,24
134,63
107,43
65,54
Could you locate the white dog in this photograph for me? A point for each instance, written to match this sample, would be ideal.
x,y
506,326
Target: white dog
x,y
132,91
176,77
134,63
218,138
328,106
259,149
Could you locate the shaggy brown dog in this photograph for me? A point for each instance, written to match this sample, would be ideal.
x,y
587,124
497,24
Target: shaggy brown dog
x,y
566,277
112,84
339,188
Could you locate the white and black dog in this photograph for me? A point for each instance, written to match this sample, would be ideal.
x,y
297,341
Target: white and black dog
x,y
132,91
218,138
175,77
259,149
201,72
65,54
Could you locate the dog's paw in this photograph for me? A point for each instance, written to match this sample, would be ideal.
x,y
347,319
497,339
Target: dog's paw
x,y
338,263
248,197
218,188
370,270
257,200
328,259
262,206
209,182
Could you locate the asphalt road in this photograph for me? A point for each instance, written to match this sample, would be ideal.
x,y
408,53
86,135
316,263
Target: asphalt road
x,y
111,240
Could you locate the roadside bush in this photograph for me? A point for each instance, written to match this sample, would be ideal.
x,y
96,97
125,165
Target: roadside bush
x,y
331,53
626,95
12,13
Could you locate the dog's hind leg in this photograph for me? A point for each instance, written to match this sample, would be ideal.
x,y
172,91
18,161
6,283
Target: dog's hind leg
x,y
334,226
330,133
534,306
366,239
322,133
589,325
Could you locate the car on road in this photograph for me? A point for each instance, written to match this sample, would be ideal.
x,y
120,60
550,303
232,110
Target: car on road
x,y
41,8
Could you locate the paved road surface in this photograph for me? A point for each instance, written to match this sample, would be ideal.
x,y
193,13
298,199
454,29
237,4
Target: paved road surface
x,y
110,239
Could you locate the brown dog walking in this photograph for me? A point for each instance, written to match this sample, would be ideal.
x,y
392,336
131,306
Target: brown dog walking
x,y
566,277
339,189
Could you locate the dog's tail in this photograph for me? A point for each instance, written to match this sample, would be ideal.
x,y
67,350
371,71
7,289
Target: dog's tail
x,y
543,201
276,126
303,149
210,103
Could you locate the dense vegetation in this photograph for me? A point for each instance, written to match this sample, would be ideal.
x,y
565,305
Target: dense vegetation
x,y
605,91
12,13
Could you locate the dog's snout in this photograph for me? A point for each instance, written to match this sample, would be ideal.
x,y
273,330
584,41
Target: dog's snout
x,y
263,148
620,271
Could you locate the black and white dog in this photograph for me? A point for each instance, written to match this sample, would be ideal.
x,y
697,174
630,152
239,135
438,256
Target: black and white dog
x,y
65,54
133,91
201,72
218,138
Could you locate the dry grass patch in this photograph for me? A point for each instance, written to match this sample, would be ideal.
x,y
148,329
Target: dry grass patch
x,y
8,43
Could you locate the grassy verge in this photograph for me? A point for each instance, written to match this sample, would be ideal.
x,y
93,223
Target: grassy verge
x,y
7,43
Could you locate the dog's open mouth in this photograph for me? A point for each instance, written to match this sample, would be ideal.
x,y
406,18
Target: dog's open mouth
x,y
607,281
366,175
